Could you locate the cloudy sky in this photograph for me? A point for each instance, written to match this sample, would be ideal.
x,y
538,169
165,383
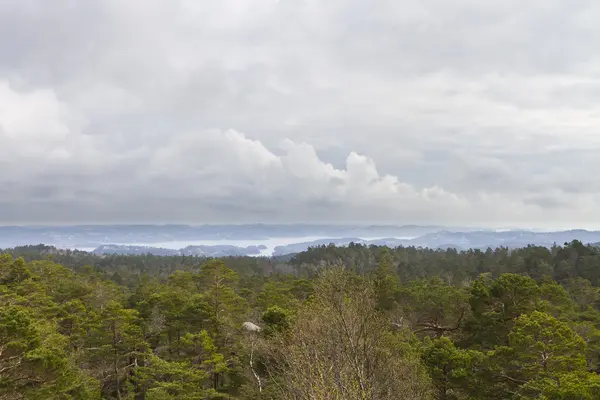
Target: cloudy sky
x,y
382,111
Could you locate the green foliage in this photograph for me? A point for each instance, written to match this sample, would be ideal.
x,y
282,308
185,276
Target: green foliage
x,y
568,386
541,344
276,320
34,360
433,306
278,293
475,324
496,304
386,282
160,379
451,368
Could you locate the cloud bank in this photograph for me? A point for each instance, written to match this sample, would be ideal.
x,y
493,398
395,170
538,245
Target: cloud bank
x,y
440,112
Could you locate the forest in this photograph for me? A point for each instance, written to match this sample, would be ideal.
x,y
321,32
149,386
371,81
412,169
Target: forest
x,y
331,323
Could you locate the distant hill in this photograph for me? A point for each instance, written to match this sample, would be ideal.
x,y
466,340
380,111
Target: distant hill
x,y
462,240
198,251
276,240
93,236
512,239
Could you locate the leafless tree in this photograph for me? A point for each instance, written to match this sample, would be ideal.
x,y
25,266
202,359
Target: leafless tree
x,y
341,348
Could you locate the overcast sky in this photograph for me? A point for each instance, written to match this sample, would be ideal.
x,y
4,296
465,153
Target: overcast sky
x,y
374,111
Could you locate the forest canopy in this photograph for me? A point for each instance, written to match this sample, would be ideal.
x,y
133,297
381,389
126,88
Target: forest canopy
x,y
343,323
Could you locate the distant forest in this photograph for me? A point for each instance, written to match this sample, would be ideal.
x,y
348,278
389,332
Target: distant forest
x,y
331,323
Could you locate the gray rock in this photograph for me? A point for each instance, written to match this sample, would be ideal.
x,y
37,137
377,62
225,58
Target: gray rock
x,y
250,327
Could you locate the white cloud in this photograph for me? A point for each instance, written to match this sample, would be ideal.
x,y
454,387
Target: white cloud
x,y
390,111
17,109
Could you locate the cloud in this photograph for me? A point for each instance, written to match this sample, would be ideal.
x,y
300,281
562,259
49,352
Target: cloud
x,y
456,112
17,108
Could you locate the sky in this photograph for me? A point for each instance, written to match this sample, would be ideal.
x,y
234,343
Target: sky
x,y
455,112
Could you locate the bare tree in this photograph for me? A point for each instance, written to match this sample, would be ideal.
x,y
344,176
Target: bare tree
x,y
341,348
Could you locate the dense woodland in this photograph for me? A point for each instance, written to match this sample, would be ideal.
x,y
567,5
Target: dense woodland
x,y
339,323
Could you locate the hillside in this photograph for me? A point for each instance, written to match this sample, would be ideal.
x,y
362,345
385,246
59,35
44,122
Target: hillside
x,y
478,324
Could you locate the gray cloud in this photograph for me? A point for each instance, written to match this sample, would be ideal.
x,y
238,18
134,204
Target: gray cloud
x,y
481,113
